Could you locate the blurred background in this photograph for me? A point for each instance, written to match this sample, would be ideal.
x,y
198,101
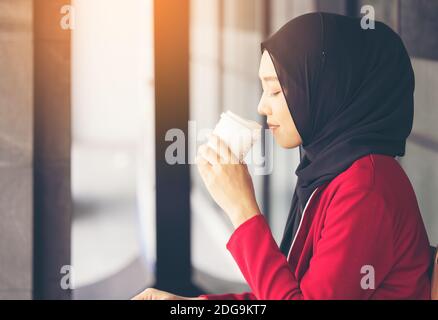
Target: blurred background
x,y
88,89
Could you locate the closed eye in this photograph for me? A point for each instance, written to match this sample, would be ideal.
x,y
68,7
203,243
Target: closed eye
x,y
274,94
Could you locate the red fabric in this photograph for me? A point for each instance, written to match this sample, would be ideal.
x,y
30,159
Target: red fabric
x,y
367,216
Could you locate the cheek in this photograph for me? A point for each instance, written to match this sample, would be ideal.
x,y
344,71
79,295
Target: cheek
x,y
281,111
283,138
287,138
287,135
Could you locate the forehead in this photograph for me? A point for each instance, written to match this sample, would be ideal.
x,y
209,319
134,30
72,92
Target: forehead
x,y
267,69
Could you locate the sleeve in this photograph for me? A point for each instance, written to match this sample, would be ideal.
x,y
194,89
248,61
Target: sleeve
x,y
356,239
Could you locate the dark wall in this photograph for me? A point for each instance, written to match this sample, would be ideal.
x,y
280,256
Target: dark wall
x,y
419,27
334,6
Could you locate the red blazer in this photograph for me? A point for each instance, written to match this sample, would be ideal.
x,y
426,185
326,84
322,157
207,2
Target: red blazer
x,y
361,237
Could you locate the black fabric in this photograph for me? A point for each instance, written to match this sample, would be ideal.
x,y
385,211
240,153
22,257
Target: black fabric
x,y
350,93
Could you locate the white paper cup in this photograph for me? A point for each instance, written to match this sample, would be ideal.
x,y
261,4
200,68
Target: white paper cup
x,y
238,133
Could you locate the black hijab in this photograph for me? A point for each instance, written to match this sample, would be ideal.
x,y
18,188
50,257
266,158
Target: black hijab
x,y
350,93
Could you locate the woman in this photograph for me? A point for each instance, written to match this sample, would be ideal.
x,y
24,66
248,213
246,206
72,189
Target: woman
x,y
354,230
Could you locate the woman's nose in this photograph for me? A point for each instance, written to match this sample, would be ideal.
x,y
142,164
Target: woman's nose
x,y
263,109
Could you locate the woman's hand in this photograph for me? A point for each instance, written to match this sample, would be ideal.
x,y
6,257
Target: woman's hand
x,y
154,294
228,181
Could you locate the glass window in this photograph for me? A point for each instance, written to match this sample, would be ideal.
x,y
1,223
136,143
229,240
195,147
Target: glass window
x,y
224,66
113,139
241,15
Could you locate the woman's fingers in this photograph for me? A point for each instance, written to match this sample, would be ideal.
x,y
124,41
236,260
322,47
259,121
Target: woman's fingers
x,y
200,161
145,295
224,151
209,155
209,160
204,167
154,294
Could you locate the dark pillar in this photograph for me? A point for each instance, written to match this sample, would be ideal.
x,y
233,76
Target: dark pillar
x,y
173,271
52,197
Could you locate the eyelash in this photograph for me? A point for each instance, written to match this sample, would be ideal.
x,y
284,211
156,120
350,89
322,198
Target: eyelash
x,y
274,94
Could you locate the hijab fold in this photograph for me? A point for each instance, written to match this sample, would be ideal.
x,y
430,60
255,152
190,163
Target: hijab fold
x,y
350,92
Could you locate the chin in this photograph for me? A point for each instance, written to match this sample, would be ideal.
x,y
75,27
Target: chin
x,y
285,141
290,147
287,144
